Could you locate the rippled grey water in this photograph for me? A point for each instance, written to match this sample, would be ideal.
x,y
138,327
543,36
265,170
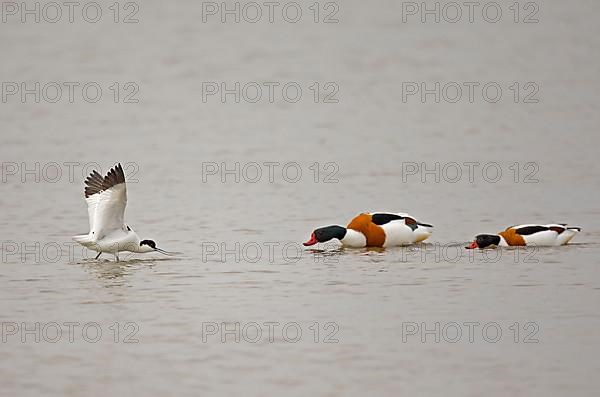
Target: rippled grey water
x,y
385,322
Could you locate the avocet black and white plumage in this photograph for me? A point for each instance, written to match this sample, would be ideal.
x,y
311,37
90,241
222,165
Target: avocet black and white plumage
x,y
553,234
377,229
106,199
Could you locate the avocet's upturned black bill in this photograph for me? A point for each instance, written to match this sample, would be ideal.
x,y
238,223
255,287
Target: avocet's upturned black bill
x,y
106,199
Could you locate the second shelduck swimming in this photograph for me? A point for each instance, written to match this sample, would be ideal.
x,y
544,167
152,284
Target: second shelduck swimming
x,y
553,234
378,229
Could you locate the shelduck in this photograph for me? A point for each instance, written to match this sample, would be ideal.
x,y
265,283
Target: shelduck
x,y
378,229
553,234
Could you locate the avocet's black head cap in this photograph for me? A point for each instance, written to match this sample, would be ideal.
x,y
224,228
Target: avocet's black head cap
x,y
149,243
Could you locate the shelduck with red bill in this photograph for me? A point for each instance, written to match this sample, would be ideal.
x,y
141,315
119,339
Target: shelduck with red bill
x,y
553,234
377,229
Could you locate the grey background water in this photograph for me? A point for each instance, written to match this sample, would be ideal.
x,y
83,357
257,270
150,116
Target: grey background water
x,y
370,296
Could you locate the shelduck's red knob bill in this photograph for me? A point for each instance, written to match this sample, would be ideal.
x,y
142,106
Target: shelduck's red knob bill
x,y
472,245
312,241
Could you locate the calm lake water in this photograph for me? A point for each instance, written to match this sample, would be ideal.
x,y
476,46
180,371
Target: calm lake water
x,y
245,309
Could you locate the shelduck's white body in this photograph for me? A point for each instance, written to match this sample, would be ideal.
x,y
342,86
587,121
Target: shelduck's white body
x,y
354,239
399,232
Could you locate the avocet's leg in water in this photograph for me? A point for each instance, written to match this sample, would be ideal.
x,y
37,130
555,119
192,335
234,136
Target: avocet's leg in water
x,y
117,256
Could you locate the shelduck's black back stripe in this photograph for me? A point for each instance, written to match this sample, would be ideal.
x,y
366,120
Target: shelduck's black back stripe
x,y
382,219
527,230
